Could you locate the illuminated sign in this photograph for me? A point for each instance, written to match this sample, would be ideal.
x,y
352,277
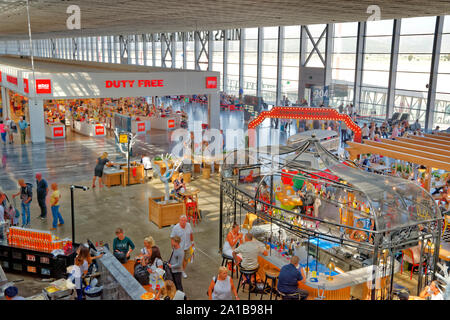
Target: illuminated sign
x,y
99,130
141,127
134,83
25,86
58,132
211,82
12,80
43,86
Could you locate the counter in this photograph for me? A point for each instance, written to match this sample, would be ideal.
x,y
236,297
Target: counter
x,y
55,131
166,123
113,177
337,289
89,129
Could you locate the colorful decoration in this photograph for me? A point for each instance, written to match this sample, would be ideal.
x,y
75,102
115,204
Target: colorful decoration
x,y
308,114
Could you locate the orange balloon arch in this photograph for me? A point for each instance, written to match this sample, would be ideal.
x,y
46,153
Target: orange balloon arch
x,y
308,114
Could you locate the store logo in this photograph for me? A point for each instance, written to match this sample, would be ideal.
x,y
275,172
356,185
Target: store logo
x,y
141,127
171,123
99,130
43,86
211,82
58,132
12,80
25,86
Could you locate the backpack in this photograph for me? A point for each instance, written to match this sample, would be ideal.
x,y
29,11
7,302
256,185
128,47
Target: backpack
x,y
29,190
142,275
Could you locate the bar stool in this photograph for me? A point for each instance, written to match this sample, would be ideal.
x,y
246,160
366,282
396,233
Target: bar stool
x,y
225,259
287,295
248,273
271,274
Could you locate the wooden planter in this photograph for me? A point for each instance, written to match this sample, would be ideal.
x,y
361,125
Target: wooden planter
x,y
165,214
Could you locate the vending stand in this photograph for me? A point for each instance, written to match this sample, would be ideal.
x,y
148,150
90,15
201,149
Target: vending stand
x,y
55,79
55,131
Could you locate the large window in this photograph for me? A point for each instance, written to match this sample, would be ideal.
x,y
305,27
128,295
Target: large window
x,y
157,44
315,31
149,51
217,53
343,62
179,50
233,64
375,76
250,60
442,105
190,51
290,62
269,64
414,63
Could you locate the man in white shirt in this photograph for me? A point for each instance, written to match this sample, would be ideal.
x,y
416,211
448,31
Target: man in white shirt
x,y
250,250
184,231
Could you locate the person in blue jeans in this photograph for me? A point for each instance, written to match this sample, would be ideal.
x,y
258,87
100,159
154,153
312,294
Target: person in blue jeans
x,y
54,204
26,195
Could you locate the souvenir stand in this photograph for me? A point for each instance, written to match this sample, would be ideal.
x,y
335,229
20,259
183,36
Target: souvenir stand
x,y
348,226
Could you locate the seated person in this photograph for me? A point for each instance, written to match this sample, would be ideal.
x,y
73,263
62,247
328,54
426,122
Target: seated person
x,y
432,292
169,292
232,239
249,251
178,185
264,191
289,278
122,246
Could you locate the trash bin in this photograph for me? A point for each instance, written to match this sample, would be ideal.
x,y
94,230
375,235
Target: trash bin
x,y
93,293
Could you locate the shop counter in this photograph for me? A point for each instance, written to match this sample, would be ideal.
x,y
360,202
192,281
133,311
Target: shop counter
x,y
165,123
337,289
89,129
113,177
55,131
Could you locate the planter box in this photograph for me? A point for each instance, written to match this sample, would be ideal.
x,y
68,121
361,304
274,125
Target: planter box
x,y
165,214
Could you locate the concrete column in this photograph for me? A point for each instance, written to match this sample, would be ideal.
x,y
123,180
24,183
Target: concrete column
x,y
214,111
4,103
37,125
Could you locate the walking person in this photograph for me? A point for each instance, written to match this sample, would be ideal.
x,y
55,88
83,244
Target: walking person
x,y
183,230
11,128
42,192
3,131
176,262
54,204
23,125
26,195
222,286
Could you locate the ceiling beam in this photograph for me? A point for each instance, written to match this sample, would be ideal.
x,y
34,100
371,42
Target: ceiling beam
x,y
429,155
410,145
365,148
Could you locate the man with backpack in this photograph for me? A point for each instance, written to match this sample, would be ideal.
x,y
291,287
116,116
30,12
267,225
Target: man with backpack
x,y
26,195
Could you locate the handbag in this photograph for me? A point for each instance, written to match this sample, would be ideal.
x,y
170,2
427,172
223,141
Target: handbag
x,y
167,271
142,275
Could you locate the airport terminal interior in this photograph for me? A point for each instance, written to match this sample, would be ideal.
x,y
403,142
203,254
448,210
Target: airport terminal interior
x,y
224,150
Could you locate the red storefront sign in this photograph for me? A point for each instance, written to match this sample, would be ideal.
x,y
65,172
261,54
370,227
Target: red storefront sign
x,y
12,80
58,132
99,130
43,86
171,123
211,82
0,76
26,88
134,83
141,127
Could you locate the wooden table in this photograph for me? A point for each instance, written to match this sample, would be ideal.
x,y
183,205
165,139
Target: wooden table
x,y
113,178
140,174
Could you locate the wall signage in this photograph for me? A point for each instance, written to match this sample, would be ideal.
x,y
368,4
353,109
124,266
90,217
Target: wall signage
x,y
134,83
26,88
211,82
58,132
12,80
43,86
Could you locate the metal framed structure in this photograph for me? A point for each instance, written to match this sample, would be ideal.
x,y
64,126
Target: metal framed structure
x,y
399,214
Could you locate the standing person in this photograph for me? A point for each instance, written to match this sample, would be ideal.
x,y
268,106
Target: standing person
x,y
76,276
84,253
222,286
176,261
122,246
23,125
54,205
365,131
3,131
26,195
42,191
98,171
289,279
183,230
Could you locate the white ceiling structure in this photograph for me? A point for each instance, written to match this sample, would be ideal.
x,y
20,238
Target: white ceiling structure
x,y
107,17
